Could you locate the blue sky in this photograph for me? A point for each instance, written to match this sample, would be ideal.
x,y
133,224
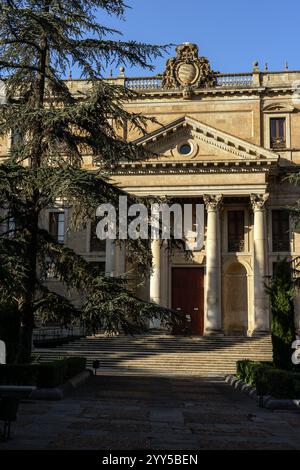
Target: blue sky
x,y
231,33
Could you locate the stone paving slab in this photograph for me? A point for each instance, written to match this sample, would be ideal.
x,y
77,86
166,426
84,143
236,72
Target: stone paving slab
x,y
131,413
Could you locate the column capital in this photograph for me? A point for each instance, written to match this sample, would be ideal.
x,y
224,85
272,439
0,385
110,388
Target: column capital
x,y
212,201
258,201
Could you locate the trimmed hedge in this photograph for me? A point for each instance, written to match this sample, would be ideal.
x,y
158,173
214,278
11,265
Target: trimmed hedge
x,y
9,329
18,374
43,375
268,380
278,383
248,370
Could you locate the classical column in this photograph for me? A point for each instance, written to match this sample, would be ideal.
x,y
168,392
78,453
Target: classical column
x,y
120,261
213,319
122,252
110,258
261,310
155,293
164,277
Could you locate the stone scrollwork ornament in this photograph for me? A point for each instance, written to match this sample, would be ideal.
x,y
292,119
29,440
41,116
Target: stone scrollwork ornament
x,y
188,70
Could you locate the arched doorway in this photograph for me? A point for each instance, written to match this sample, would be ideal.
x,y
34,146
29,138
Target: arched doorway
x,y
235,300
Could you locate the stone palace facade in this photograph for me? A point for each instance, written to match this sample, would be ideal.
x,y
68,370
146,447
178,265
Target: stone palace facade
x,y
226,141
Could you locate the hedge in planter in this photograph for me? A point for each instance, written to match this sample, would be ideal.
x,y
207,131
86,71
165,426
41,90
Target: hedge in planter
x,y
278,383
9,329
248,370
43,375
268,380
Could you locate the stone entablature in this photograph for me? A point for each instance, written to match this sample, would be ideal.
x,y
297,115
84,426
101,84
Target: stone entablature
x,y
221,166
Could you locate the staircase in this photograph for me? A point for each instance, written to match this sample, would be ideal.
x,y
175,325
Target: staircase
x,y
158,354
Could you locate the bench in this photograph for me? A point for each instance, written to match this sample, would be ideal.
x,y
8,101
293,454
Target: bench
x,y
10,396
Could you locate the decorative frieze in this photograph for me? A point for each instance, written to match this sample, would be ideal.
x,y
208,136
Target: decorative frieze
x,y
200,167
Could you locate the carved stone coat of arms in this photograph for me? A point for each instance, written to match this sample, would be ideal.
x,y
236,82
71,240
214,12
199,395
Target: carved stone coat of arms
x,y
188,70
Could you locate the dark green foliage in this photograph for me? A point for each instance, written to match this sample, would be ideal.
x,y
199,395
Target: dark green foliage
x,y
278,383
74,365
55,130
18,374
53,374
44,375
9,329
281,293
294,179
248,370
268,380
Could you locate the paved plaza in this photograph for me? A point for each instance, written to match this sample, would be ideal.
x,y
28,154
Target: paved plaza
x,y
111,413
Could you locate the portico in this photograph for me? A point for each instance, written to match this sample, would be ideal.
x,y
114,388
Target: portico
x,y
234,179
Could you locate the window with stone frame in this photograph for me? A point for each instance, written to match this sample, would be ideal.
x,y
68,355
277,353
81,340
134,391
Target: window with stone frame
x,y
57,225
236,230
98,266
16,138
96,245
278,133
280,230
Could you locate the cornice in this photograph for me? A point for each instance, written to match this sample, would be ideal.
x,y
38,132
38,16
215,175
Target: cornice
x,y
221,91
192,167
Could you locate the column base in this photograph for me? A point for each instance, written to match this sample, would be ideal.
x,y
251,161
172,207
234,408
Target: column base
x,y
209,332
257,333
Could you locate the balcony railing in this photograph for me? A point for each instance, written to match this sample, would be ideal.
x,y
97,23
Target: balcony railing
x,y
278,143
223,80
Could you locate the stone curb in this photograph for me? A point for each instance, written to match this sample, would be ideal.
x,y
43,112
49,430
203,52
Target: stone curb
x,y
58,393
238,384
266,401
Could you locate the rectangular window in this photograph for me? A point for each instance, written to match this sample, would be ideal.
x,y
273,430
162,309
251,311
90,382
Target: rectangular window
x,y
11,226
280,230
277,133
95,243
98,266
16,138
50,270
236,231
57,225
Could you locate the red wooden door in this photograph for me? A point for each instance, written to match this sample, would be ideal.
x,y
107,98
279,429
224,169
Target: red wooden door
x,y
188,299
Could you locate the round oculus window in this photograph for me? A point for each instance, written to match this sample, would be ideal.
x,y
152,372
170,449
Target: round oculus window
x,y
185,149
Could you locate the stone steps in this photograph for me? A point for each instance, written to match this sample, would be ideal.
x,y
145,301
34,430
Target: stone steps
x,y
164,355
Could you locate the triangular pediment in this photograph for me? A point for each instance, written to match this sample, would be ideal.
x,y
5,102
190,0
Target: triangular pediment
x,y
206,143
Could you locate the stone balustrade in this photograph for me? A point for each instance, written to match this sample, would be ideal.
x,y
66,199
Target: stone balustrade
x,y
235,80
155,83
146,83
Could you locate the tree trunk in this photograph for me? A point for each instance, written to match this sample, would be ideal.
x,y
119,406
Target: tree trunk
x,y
27,302
26,307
